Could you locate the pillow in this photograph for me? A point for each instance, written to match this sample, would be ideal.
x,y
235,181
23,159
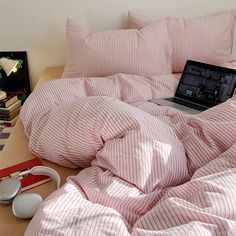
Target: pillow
x,y
142,52
207,39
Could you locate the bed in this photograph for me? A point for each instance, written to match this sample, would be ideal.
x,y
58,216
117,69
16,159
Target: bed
x,y
169,194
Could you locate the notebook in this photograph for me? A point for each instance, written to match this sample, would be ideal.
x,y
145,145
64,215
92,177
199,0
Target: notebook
x,y
201,86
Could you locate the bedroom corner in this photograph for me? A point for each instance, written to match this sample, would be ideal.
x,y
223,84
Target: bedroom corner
x,y
114,160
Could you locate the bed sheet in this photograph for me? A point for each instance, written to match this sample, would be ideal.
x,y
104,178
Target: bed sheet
x,y
147,169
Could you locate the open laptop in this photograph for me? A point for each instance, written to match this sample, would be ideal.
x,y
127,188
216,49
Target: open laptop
x,y
201,86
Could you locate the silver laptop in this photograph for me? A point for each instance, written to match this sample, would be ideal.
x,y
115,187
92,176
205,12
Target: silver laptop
x,y
201,86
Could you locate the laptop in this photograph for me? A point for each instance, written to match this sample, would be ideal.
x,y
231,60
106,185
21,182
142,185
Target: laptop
x,y
201,86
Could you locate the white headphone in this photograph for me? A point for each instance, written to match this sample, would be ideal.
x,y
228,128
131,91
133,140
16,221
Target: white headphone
x,y
24,205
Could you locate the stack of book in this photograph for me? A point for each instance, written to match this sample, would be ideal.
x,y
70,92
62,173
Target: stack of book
x,y
9,110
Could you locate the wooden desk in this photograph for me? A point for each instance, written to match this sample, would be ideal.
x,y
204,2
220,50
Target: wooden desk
x,y
16,151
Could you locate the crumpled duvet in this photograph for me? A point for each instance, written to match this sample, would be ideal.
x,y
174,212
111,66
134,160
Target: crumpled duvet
x,y
147,169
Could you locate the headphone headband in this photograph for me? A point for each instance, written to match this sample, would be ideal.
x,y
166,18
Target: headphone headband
x,y
43,170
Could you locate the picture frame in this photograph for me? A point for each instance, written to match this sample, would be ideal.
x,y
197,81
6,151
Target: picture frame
x,y
17,83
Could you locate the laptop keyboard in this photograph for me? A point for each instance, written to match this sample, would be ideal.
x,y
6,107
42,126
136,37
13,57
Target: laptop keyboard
x,y
187,104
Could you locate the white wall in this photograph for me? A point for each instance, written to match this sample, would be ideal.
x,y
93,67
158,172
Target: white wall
x,y
38,26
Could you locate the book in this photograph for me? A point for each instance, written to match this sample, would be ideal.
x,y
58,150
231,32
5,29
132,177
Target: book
x,y
28,181
10,116
9,123
11,108
9,100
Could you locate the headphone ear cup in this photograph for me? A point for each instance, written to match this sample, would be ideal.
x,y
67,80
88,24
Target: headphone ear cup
x,y
9,188
26,204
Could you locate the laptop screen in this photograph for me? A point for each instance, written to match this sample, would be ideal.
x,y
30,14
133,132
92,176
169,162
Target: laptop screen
x,y
206,84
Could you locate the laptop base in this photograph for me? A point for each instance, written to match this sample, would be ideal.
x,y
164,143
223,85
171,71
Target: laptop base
x,y
163,102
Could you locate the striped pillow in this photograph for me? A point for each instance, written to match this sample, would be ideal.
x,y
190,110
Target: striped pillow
x,y
208,39
142,52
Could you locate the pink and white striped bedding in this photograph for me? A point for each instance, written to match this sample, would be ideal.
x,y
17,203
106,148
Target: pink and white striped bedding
x,y
148,170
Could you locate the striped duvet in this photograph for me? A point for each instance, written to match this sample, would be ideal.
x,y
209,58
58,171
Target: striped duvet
x,y
147,170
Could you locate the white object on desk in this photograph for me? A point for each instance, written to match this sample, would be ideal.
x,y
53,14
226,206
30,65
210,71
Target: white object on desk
x,y
26,204
2,95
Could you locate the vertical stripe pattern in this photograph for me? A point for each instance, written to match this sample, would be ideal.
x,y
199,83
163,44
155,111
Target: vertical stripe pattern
x,y
141,52
148,170
194,38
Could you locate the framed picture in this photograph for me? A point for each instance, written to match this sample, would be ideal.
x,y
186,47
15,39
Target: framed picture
x,y
17,83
